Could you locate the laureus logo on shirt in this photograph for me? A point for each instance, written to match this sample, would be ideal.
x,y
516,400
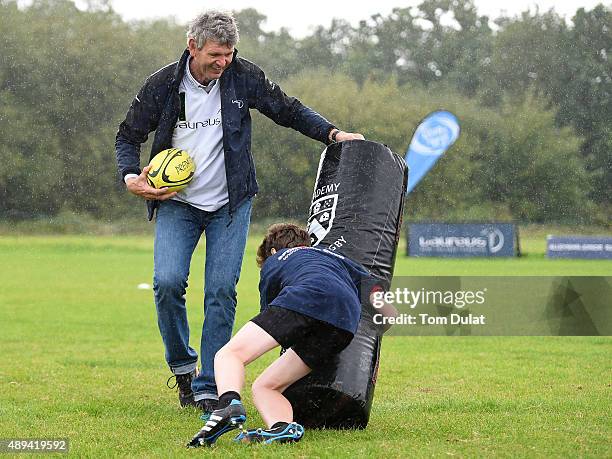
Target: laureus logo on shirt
x,y
210,122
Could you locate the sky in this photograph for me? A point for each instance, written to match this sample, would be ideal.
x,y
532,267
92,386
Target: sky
x,y
302,17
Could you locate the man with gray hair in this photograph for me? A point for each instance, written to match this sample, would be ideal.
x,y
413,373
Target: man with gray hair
x,y
201,104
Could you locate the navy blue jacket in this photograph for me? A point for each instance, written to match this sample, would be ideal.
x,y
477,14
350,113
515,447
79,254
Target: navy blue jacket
x,y
243,86
314,282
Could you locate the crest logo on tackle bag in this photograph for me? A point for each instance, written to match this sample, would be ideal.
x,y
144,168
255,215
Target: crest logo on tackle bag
x,y
322,213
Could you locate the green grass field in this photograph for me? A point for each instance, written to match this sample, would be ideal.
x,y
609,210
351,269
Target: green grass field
x,y
81,358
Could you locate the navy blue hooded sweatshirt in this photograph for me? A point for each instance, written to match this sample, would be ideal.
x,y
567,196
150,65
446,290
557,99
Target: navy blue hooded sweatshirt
x,y
314,282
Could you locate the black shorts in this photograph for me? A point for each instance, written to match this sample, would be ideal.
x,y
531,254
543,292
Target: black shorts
x,y
314,341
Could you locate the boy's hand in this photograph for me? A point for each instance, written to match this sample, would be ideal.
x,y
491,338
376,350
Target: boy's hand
x,y
382,307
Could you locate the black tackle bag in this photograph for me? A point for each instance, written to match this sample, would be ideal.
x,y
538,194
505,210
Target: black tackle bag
x,y
356,211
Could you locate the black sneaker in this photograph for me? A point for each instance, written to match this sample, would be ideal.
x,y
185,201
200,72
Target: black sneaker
x,y
207,405
221,421
183,382
290,433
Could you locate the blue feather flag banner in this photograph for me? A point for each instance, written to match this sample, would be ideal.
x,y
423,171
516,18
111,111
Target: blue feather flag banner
x,y
436,134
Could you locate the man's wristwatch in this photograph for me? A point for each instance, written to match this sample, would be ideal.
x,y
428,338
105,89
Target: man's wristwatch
x,y
334,133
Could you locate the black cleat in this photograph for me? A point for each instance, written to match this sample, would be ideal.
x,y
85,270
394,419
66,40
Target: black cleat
x,y
183,382
221,421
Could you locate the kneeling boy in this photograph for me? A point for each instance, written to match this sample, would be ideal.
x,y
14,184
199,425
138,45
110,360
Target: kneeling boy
x,y
310,305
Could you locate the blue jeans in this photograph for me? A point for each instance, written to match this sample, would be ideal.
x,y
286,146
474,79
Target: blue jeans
x,y
178,228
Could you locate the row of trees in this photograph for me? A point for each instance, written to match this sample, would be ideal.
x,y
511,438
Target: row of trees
x,y
532,92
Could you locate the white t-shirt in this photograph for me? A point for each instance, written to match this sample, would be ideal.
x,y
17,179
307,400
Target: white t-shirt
x,y
201,135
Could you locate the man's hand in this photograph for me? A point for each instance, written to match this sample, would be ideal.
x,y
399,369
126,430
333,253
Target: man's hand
x,y
341,136
140,187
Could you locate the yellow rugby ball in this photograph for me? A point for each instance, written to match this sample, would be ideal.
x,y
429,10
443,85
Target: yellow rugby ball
x,y
171,168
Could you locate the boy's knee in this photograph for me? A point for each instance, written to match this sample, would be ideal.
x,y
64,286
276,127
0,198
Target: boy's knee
x,y
224,351
222,354
266,383
229,350
256,387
